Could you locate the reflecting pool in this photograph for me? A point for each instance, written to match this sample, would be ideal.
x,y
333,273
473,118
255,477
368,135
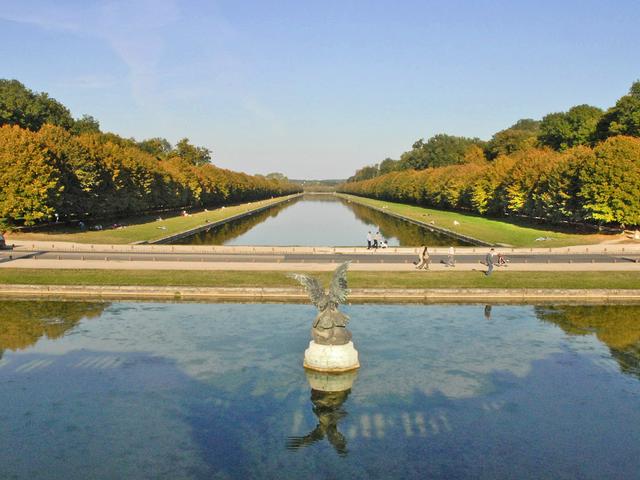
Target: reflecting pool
x,y
161,390
318,220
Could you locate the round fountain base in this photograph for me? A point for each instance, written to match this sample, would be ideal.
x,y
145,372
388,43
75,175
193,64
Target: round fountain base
x,y
331,358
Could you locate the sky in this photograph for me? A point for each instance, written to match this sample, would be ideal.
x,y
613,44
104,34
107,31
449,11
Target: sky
x,y
317,89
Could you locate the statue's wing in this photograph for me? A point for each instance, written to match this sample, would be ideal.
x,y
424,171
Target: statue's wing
x,y
338,290
311,285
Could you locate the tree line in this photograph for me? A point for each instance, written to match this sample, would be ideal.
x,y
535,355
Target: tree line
x,y
52,164
582,165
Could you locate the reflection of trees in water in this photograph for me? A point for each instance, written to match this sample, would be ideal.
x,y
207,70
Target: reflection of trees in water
x,y
617,326
409,234
230,230
23,323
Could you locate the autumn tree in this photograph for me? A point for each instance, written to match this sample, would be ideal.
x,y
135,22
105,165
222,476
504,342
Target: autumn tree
x,y
29,181
609,182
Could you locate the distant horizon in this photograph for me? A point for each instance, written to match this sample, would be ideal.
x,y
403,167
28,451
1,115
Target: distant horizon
x,y
317,91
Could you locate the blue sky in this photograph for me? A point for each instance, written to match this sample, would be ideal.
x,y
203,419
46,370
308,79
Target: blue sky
x,y
316,89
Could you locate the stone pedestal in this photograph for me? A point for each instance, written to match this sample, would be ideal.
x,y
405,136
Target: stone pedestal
x,y
331,358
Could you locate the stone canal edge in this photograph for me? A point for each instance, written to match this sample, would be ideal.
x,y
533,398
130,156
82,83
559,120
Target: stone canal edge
x,y
444,295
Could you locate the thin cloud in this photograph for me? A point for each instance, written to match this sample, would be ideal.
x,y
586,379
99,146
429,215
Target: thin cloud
x,y
131,28
90,82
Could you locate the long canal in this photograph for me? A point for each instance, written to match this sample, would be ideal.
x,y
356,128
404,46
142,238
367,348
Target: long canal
x,y
315,220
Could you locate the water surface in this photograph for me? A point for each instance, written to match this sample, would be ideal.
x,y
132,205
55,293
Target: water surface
x,y
158,390
323,220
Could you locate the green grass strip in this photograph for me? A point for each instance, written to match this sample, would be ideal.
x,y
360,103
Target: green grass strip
x,y
145,229
496,231
199,278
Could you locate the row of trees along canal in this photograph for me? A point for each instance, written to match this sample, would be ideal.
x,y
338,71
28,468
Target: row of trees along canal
x,y
582,165
51,163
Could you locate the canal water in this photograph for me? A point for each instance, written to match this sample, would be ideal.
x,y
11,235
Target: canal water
x,y
199,391
319,220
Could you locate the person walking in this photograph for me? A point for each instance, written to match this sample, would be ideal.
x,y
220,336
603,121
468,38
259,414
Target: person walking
x,y
451,260
489,261
424,259
369,240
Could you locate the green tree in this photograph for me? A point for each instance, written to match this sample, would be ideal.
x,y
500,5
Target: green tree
x,y
624,117
158,147
277,176
387,165
522,135
85,124
438,151
569,129
192,154
365,173
20,106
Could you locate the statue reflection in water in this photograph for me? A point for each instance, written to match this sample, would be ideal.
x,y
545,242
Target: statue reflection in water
x,y
329,391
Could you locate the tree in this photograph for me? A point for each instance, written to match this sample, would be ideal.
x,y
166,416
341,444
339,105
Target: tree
x,y
277,176
609,182
438,151
530,168
20,106
158,147
520,136
85,124
624,117
564,130
365,173
387,165
194,155
29,181
76,171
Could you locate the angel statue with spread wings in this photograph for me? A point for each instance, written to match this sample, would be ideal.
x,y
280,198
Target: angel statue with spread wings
x,y
330,326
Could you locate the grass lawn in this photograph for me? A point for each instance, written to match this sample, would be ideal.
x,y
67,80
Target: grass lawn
x,y
613,280
142,228
486,229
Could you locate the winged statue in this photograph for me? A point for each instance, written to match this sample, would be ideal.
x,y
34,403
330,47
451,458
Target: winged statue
x,y
330,326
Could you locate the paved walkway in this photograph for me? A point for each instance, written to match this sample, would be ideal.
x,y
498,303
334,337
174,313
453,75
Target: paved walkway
x,y
65,255
29,245
30,263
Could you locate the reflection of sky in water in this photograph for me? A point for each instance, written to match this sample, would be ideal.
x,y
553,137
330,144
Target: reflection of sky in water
x,y
212,391
432,349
